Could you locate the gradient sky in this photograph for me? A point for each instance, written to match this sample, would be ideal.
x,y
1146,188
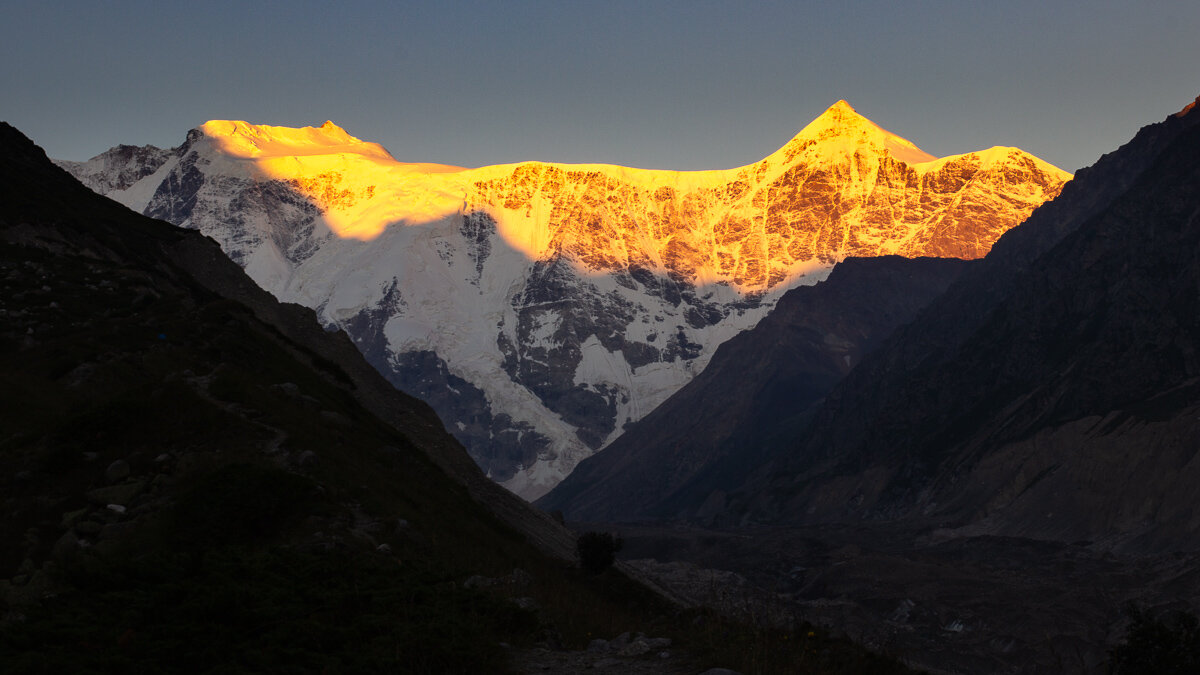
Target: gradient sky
x,y
680,85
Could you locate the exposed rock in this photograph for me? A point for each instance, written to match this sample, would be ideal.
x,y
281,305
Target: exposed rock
x,y
526,603
520,578
119,167
65,545
71,517
336,418
598,645
478,581
635,648
117,471
88,528
121,494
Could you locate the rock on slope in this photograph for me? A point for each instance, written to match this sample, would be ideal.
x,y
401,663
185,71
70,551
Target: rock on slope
x,y
540,308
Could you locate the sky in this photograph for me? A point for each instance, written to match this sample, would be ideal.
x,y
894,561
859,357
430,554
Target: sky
x,y
672,85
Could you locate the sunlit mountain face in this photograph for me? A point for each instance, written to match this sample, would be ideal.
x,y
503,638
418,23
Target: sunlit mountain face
x,y
540,308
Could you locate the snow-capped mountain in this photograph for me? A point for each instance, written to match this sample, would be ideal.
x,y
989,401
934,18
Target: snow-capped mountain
x,y
542,307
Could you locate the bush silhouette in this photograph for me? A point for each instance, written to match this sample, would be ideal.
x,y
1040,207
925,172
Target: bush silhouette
x,y
597,550
1163,646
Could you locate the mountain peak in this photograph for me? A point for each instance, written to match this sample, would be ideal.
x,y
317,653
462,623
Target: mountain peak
x,y
842,106
1188,108
260,141
843,114
842,129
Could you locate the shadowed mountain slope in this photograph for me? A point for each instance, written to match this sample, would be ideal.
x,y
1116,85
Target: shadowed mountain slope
x,y
759,388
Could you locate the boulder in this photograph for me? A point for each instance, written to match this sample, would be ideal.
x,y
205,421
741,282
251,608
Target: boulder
x,y
598,646
117,471
121,494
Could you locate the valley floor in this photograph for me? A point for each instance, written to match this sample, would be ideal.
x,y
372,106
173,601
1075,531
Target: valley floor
x,y
541,660
941,602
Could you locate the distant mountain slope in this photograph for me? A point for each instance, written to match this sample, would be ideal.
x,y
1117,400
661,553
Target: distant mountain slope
x,y
538,307
1051,392
758,389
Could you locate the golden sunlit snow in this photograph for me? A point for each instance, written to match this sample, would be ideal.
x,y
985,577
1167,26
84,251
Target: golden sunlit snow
x,y
841,187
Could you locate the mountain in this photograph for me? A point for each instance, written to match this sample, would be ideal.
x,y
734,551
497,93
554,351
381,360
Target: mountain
x,y
541,308
759,388
1050,393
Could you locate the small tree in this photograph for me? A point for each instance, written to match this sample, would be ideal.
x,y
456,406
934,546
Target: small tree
x,y
597,550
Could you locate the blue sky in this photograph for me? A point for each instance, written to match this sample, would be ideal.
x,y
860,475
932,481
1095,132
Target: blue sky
x,y
683,85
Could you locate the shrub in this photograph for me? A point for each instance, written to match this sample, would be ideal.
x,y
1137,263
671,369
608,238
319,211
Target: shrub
x,y
597,550
1164,646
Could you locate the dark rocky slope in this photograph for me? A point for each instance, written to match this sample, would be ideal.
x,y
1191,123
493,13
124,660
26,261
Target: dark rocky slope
x,y
759,389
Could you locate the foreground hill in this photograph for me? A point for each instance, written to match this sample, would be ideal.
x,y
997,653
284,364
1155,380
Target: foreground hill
x,y
540,308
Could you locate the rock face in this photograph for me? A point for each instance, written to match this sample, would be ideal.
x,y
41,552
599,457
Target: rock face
x,y
117,169
1051,393
759,386
541,308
